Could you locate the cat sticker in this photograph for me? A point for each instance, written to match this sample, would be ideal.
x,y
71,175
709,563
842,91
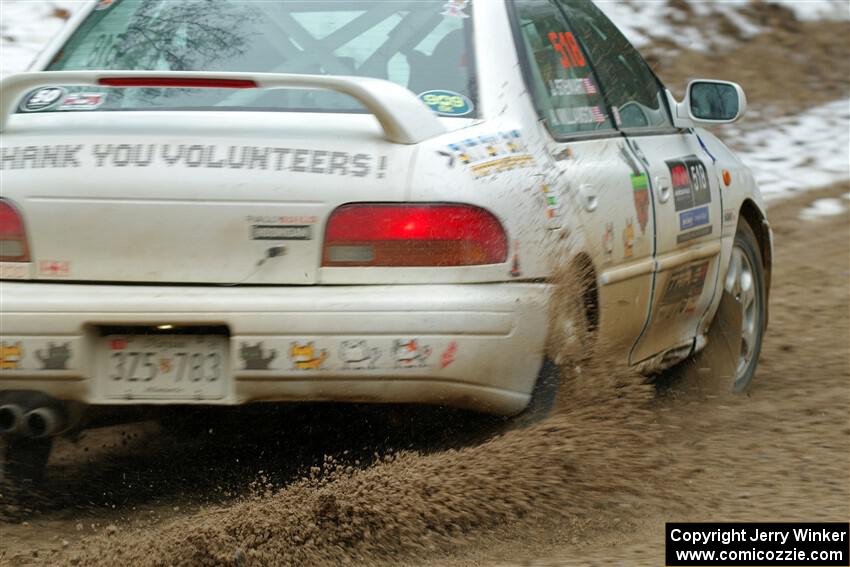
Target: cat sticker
x,y
410,353
55,358
356,355
254,358
11,356
306,357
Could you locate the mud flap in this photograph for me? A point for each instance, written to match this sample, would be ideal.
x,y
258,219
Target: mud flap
x,y
712,370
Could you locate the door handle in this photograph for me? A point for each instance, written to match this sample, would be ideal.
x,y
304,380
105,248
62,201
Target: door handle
x,y
664,188
588,197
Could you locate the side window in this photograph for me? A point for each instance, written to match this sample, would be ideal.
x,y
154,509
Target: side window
x,y
562,81
635,96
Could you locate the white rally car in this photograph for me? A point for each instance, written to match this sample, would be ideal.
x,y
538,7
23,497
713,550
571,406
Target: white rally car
x,y
230,202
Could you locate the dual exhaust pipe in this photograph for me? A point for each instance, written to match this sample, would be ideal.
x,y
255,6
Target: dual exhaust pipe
x,y
40,422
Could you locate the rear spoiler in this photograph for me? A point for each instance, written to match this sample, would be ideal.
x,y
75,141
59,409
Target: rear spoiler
x,y
404,118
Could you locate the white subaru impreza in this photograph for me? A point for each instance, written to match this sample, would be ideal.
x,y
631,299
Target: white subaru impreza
x,y
234,202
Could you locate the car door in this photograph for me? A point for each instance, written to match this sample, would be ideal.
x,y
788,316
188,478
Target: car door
x,y
685,193
594,171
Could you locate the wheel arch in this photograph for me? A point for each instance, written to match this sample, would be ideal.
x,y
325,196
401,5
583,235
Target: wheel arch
x,y
754,217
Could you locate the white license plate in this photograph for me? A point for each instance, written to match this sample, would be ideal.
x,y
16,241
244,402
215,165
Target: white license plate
x,y
181,367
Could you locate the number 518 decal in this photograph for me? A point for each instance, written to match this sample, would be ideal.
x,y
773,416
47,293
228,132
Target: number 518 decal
x,y
567,47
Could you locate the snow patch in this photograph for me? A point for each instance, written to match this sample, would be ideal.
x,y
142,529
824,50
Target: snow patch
x,y
810,149
823,208
814,10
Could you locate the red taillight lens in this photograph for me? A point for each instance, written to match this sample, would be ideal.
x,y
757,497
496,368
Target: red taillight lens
x,y
413,235
184,82
13,237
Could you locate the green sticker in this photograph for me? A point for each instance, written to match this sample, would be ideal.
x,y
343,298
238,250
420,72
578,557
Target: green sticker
x,y
448,103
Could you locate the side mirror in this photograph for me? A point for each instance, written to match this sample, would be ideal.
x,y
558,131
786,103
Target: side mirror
x,y
709,102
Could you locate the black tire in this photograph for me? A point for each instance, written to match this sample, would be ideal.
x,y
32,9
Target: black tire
x,y
573,321
717,367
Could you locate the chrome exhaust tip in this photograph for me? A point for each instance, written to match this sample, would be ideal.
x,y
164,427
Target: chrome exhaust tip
x,y
11,418
42,422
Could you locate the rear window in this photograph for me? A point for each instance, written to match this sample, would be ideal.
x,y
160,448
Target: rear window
x,y
425,46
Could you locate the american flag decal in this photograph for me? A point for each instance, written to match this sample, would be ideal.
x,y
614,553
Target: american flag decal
x,y
598,115
589,87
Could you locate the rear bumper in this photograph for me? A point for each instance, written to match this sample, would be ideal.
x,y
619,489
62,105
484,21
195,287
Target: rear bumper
x,y
479,346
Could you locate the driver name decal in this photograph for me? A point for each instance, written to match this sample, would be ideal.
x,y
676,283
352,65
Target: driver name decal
x,y
263,158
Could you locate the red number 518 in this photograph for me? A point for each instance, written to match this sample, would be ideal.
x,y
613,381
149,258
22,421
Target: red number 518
x,y
565,44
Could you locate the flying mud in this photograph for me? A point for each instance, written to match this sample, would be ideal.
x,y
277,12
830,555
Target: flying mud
x,y
593,482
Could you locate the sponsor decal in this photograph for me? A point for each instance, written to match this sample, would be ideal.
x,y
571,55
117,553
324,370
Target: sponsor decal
x,y
42,99
553,208
691,190
283,219
690,183
54,268
117,344
455,9
357,355
448,355
14,270
447,103
488,155
699,233
410,353
255,357
82,101
640,187
257,158
281,232
306,357
693,218
567,87
501,165
640,191
683,290
11,355
608,240
55,357
629,239
618,120
729,216
567,48
578,115
515,271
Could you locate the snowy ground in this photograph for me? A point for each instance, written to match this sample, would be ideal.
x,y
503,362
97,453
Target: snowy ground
x,y
643,20
810,149
786,155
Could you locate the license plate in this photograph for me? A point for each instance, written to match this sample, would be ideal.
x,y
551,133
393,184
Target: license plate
x,y
182,367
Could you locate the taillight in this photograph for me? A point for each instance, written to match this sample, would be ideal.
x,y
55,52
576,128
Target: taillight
x,y
13,237
371,234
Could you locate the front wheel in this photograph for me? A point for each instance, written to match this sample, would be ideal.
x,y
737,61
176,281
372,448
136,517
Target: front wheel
x,y
745,283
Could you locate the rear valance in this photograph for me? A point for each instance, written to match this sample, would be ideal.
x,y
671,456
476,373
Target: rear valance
x,y
403,117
